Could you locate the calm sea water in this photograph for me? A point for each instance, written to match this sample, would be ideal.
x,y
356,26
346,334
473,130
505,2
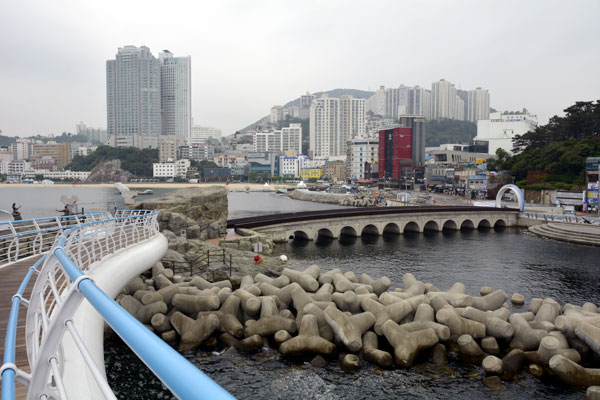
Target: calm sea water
x,y
509,259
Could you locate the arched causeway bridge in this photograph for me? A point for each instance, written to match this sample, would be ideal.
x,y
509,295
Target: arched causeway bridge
x,y
376,221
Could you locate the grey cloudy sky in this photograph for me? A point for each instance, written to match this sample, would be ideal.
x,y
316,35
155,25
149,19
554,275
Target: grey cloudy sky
x,y
249,55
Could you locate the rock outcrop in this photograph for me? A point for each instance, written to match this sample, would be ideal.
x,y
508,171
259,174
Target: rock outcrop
x,y
194,213
109,172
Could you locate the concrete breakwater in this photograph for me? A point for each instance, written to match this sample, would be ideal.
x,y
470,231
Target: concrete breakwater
x,y
357,200
335,315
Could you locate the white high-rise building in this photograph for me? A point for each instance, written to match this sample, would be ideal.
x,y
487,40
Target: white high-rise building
x,y
291,138
479,105
325,127
352,120
500,129
133,93
200,134
396,100
376,103
419,102
459,111
443,100
285,139
176,96
276,114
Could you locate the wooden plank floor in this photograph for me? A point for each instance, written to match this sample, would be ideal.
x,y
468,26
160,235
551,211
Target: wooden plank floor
x,y
10,278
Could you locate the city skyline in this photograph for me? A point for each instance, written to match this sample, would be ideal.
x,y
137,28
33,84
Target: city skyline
x,y
538,55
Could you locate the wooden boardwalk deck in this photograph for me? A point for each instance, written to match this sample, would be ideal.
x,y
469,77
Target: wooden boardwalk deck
x,y
11,277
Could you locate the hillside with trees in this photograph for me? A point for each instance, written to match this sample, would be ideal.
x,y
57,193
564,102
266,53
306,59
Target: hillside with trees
x,y
137,161
558,149
449,131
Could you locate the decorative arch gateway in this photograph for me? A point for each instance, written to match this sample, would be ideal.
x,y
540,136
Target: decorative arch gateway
x,y
516,190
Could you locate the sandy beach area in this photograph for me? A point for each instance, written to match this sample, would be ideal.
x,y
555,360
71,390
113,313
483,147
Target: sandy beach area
x,y
148,185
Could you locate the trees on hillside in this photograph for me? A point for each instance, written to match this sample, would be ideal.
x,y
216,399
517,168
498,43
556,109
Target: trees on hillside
x,y
137,161
558,148
449,131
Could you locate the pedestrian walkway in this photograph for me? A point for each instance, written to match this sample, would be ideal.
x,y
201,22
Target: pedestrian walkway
x,y
11,277
572,233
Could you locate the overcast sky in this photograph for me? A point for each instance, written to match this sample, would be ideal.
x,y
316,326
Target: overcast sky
x,y
250,55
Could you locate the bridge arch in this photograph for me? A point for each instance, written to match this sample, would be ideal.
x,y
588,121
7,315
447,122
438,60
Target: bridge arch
x,y
412,227
392,228
500,224
484,224
518,193
325,233
370,229
301,235
348,231
450,225
431,226
467,224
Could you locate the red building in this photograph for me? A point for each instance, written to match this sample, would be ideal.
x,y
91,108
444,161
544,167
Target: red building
x,y
395,153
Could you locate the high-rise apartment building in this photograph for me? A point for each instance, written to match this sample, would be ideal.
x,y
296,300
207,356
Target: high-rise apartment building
x,y
419,102
376,103
459,110
176,96
325,127
443,99
396,100
133,95
352,120
291,138
479,105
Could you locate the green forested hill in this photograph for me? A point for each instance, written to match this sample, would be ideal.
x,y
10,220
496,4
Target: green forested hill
x,y
138,162
449,131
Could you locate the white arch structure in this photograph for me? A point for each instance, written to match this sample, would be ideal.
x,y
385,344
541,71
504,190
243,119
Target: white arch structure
x,y
516,190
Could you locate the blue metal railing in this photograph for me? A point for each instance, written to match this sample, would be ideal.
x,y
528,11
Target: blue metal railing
x,y
176,372
9,374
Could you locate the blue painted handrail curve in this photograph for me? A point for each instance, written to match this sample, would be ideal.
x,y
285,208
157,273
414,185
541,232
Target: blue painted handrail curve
x,y
175,371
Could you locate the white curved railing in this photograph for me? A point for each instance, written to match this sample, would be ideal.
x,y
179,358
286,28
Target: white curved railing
x,y
21,239
58,291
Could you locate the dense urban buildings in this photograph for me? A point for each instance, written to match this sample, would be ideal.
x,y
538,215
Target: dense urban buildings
x,y
500,129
